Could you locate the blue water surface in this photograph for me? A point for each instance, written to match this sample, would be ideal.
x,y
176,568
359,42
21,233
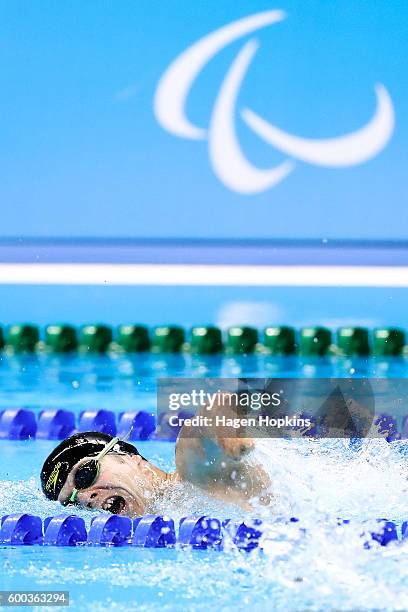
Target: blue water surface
x,y
326,568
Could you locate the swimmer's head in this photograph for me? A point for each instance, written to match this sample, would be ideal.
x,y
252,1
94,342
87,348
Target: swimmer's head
x,y
122,483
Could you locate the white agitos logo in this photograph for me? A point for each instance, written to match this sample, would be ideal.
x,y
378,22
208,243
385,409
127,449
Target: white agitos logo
x,y
226,157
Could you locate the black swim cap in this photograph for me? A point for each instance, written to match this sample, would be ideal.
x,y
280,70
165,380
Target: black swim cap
x,y
60,462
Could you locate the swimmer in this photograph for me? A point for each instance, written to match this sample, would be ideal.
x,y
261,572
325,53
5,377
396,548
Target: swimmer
x,y
95,470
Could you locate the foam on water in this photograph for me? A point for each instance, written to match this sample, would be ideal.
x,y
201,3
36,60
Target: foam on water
x,y
330,476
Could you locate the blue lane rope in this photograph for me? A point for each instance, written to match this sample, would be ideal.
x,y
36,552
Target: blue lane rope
x,y
156,531
58,424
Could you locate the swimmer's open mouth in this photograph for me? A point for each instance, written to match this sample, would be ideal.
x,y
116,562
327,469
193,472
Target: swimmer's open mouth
x,y
115,504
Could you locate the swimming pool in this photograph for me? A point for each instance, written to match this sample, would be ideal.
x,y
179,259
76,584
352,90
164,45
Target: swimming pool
x,y
326,567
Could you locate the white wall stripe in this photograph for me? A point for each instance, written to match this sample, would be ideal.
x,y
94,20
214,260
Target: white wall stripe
x,y
175,274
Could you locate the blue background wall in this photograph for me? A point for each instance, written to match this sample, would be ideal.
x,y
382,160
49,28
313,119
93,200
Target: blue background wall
x,y
81,153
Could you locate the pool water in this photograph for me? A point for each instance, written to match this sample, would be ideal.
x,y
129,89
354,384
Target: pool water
x,y
325,567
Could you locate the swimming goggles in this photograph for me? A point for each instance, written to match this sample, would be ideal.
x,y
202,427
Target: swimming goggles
x,y
87,473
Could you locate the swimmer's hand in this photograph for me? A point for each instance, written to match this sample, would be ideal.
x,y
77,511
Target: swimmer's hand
x,y
236,448
215,451
234,442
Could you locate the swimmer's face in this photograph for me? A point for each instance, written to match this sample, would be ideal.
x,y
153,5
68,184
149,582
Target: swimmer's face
x,y
125,485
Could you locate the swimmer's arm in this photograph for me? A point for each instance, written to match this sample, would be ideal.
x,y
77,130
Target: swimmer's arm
x,y
210,456
217,467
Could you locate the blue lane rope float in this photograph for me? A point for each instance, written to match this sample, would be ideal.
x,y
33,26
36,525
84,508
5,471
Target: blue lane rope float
x,y
99,420
110,531
17,424
55,424
64,530
58,424
387,426
140,424
200,532
165,429
155,531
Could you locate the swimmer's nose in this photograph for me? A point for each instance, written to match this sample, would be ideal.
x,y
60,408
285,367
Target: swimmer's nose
x,y
114,504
